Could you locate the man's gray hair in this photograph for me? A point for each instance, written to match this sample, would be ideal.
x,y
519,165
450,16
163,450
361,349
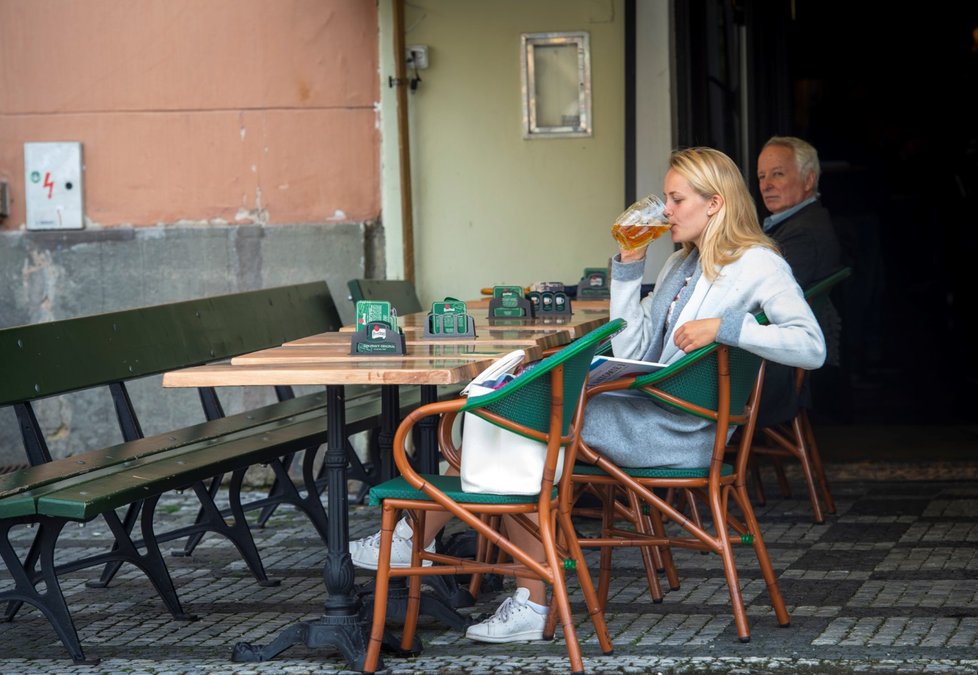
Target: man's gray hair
x,y
806,156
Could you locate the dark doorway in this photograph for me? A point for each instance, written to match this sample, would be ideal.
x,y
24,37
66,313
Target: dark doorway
x,y
889,100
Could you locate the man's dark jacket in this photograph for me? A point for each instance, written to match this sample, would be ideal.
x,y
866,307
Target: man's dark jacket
x,y
809,244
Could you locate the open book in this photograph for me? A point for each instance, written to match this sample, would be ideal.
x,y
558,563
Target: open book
x,y
607,368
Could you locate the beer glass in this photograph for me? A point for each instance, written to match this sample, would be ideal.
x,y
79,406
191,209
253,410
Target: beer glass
x,y
641,223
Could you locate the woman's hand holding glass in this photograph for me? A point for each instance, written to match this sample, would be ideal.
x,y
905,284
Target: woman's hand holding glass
x,y
638,226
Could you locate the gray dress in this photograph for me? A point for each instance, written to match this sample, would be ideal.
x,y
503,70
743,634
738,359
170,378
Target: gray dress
x,y
639,432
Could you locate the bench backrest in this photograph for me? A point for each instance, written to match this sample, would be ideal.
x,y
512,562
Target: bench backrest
x,y
58,357
401,294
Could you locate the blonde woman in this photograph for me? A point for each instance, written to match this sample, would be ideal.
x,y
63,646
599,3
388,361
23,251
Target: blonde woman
x,y
709,290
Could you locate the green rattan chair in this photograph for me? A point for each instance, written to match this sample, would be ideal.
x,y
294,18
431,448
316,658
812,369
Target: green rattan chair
x,y
544,403
719,383
795,439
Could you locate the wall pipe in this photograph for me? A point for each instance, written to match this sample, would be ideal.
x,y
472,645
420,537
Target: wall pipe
x,y
403,141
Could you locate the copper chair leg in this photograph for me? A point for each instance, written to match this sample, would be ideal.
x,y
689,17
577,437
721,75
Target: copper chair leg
x,y
595,608
484,550
668,565
804,460
560,597
413,607
729,566
644,526
607,497
816,458
372,658
782,478
755,474
763,559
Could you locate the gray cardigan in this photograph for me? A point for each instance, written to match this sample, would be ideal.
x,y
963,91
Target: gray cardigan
x,y
639,432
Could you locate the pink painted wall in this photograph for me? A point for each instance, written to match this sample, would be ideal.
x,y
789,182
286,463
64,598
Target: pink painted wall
x,y
201,111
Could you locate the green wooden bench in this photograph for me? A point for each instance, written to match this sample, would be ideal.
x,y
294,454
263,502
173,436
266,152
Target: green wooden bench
x,y
105,352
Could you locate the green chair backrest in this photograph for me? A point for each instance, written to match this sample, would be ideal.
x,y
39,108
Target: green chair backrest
x,y
401,294
58,357
818,293
527,399
695,379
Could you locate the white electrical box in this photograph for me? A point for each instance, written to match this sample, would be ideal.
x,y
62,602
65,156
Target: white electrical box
x,y
417,57
53,186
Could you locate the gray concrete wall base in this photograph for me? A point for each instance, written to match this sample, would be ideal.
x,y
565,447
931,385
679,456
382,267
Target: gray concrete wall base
x,y
48,276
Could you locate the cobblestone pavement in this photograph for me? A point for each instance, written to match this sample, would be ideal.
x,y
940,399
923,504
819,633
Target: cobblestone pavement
x,y
888,584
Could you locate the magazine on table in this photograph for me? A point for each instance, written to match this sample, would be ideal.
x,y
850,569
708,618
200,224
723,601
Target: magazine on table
x,y
608,368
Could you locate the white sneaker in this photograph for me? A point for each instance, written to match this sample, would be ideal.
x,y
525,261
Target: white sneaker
x,y
366,552
514,621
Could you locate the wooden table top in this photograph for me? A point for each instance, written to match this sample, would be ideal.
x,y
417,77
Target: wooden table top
x,y
577,324
573,326
515,340
339,351
590,303
434,371
324,359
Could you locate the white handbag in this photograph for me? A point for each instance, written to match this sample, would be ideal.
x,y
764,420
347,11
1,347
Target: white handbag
x,y
496,460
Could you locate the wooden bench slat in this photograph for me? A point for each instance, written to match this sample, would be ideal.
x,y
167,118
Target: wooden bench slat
x,y
34,476
98,491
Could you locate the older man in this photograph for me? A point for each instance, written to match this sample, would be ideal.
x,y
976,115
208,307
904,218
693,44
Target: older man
x,y
787,172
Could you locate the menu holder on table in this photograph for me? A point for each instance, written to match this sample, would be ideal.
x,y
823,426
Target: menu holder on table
x,y
509,302
550,303
594,283
377,330
449,319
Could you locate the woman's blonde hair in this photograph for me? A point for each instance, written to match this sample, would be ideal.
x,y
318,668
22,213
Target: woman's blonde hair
x,y
734,228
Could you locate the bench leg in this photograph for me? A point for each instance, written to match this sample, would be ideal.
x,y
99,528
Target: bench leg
x,y
51,602
30,564
276,491
196,537
286,492
111,568
240,532
151,563
310,503
368,474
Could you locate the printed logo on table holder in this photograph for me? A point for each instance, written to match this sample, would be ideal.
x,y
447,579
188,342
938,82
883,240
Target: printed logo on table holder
x,y
449,319
594,284
377,330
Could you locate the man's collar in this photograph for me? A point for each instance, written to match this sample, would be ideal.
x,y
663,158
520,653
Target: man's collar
x,y
776,218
